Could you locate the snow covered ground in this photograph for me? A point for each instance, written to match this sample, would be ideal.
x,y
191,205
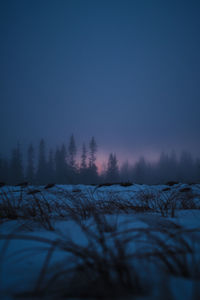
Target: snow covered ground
x,y
108,242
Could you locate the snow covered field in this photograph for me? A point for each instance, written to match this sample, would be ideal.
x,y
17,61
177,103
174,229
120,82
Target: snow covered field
x,y
108,242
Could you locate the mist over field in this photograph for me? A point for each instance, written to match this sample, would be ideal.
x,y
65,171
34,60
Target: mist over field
x,y
69,164
126,72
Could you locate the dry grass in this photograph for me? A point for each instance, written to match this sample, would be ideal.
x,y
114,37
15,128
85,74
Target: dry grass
x,y
114,263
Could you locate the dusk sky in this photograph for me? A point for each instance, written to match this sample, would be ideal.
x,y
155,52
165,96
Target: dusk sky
x,y
125,71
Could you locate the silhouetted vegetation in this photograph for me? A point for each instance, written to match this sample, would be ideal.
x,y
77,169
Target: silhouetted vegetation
x,y
64,166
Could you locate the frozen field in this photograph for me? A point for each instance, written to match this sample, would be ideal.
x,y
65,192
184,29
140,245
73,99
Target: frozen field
x,y
100,242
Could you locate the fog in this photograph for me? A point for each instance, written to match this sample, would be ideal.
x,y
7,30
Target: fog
x,y
126,72
70,164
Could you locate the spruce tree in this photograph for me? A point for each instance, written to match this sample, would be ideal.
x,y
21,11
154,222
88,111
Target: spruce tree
x,y
42,164
112,169
84,157
30,164
92,170
83,167
93,151
72,152
50,167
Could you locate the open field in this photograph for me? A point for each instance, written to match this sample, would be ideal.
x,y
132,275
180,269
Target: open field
x,y
100,242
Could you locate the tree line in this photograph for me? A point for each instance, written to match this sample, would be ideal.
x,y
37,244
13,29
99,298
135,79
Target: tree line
x,y
62,166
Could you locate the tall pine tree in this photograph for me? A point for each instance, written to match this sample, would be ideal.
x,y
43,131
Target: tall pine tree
x,y
30,165
50,167
84,157
72,152
112,174
93,151
92,170
83,166
42,164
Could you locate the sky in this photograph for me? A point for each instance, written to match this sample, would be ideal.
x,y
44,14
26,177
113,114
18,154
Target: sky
x,y
124,71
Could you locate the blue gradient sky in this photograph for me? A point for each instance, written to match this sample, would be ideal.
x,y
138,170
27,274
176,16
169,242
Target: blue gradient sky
x,y
127,72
